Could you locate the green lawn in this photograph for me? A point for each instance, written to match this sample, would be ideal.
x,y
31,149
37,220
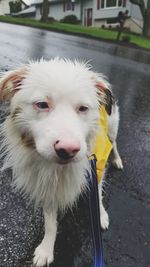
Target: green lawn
x,y
78,29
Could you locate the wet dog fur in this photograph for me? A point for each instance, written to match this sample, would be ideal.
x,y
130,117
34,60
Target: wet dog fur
x,y
54,109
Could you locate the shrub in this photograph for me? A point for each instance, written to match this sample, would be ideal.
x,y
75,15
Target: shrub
x,y
126,38
51,20
15,6
71,19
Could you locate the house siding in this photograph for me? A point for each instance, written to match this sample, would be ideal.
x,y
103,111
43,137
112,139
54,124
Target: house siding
x,y
135,12
4,7
135,23
56,11
107,13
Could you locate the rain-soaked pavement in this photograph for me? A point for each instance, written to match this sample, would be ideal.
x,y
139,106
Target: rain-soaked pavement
x,y
127,193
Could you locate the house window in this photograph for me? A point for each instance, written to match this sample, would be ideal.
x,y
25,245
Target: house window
x,y
102,3
73,6
113,3
68,5
119,2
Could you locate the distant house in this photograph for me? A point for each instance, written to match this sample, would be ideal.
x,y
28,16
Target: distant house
x,y
89,12
4,7
99,13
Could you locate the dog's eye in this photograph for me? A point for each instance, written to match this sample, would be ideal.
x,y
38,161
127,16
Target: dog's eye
x,y
83,109
41,105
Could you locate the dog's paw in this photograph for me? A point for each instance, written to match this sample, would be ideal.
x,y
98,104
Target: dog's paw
x,y
117,163
42,257
104,219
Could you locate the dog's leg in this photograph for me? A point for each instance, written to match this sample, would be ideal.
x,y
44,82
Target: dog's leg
x,y
43,254
104,218
113,124
117,161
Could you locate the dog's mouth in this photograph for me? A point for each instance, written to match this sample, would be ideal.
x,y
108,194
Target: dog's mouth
x,y
65,161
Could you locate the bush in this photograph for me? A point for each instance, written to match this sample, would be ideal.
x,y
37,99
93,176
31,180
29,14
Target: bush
x,y
71,19
51,20
126,38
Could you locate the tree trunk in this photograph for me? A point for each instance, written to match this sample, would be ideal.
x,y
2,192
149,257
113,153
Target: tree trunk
x,y
146,23
145,11
45,11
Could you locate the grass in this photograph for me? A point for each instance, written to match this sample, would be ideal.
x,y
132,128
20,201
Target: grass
x,y
78,29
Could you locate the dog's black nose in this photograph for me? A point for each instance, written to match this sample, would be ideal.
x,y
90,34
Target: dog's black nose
x,y
63,154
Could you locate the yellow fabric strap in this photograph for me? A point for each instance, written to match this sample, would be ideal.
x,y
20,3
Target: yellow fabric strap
x,y
103,145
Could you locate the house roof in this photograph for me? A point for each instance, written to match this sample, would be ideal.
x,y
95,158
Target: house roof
x,y
26,11
25,3
39,2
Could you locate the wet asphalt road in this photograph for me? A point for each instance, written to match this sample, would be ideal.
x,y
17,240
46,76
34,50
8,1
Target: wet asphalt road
x,y
127,196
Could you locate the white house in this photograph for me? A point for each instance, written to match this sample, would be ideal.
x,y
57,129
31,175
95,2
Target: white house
x,y
91,12
4,7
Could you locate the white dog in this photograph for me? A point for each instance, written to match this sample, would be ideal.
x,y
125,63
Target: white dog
x,y
54,109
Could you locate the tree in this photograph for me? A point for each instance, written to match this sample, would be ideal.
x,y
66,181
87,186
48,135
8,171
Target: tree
x,y
45,11
145,11
15,6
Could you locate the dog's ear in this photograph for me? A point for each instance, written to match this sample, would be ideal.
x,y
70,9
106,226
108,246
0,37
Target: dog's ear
x,y
11,83
105,96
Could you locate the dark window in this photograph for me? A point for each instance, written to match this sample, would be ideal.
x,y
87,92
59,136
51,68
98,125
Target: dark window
x,y
73,6
68,5
102,3
111,3
119,2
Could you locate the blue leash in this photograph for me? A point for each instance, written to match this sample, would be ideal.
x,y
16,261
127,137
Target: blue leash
x,y
95,216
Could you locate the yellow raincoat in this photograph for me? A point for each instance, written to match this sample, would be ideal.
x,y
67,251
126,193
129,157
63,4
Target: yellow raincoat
x,y
103,145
